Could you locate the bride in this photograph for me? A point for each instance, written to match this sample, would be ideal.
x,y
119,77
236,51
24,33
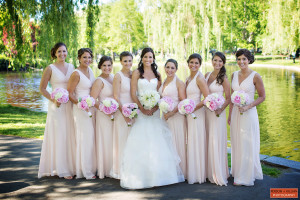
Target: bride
x,y
149,157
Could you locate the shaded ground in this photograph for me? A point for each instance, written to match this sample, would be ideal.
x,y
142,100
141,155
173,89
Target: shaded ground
x,y
19,160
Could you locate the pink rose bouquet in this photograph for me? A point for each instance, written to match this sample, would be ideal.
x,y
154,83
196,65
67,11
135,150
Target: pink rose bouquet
x,y
187,106
84,103
166,104
214,102
109,106
130,110
240,98
61,95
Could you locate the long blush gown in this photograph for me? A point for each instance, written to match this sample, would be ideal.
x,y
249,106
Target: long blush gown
x,y
104,128
149,158
121,129
217,164
245,137
176,123
196,145
85,134
57,156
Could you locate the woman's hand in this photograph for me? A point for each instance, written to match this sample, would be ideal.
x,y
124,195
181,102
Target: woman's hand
x,y
145,112
168,115
243,109
154,109
229,120
218,112
127,119
56,103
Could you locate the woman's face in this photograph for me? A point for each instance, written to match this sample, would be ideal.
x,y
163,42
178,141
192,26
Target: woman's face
x,y
126,62
217,63
242,62
106,67
61,53
86,59
194,64
147,59
170,69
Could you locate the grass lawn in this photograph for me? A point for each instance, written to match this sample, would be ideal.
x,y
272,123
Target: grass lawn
x,y
21,122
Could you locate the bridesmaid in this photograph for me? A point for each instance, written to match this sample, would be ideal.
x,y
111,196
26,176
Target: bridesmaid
x,y
101,89
121,90
57,156
196,144
79,85
217,164
244,129
174,88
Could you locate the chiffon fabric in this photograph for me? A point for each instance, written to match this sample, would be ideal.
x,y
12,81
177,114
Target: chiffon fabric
x,y
197,144
104,129
245,137
176,123
216,128
149,158
85,134
120,128
57,155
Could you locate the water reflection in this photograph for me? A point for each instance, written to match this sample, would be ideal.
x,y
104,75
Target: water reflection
x,y
278,115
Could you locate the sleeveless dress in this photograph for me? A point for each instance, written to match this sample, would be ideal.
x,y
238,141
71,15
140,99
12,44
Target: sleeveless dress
x,y
85,134
121,129
57,155
176,123
216,128
245,137
196,144
149,158
104,128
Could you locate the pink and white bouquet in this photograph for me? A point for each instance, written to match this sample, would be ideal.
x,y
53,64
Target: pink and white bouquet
x,y
187,106
109,106
84,103
166,104
240,98
61,95
130,110
214,102
149,99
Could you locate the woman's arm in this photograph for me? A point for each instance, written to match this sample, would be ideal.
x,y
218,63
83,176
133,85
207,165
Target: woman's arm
x,y
226,86
95,91
230,105
201,83
72,84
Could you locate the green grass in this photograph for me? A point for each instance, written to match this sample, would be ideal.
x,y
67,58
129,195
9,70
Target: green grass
x,y
21,122
267,170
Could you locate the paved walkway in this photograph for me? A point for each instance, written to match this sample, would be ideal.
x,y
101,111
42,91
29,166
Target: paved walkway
x,y
19,160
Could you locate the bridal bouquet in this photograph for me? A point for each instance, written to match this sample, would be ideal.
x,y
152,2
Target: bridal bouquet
x,y
84,103
61,95
166,104
109,106
187,106
149,99
214,102
130,110
240,98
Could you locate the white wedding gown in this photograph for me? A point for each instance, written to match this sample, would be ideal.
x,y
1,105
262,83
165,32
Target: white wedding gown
x,y
149,158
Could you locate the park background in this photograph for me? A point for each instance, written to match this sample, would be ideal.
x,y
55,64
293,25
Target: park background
x,y
174,29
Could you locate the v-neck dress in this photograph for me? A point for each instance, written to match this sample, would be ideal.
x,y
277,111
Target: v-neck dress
x,y
104,128
176,123
196,144
57,155
216,128
121,129
245,137
85,134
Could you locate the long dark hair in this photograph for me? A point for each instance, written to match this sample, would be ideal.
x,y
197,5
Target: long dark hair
x,y
222,73
54,49
153,65
246,53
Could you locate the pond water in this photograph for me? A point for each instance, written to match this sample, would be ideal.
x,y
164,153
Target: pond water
x,y
278,115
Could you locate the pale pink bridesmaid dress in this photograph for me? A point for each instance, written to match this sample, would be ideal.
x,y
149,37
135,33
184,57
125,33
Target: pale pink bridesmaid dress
x,y
245,137
216,128
196,144
104,128
57,156
121,129
176,123
85,134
